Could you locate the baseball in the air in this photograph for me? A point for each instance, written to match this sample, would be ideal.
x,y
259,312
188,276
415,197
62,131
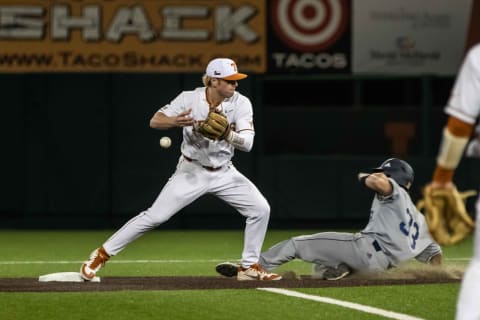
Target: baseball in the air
x,y
165,142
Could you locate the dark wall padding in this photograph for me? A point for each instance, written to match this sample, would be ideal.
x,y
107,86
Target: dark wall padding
x,y
77,152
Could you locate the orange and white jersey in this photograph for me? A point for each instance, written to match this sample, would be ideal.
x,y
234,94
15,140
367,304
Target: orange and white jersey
x,y
464,102
237,109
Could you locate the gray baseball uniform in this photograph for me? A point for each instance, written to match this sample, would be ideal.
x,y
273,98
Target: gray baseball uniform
x,y
396,232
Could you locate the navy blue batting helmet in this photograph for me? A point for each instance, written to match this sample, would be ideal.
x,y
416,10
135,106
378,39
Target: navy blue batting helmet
x,y
398,170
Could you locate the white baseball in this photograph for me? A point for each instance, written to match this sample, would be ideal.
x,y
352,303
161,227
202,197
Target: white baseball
x,y
165,142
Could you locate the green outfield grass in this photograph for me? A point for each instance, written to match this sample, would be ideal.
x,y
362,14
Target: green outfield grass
x,y
30,254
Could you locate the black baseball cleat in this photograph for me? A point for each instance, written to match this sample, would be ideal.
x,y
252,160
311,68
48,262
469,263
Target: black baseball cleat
x,y
336,273
227,269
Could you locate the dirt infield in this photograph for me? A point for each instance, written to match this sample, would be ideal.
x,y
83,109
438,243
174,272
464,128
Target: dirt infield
x,y
196,283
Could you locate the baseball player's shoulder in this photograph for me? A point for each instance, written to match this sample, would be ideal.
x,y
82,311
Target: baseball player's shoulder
x,y
396,190
194,92
399,190
475,50
473,58
192,95
239,99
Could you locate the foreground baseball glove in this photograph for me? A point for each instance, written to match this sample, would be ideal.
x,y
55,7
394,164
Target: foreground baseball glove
x,y
444,210
215,126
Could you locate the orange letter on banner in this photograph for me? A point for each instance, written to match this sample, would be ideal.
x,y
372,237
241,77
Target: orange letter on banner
x,y
399,133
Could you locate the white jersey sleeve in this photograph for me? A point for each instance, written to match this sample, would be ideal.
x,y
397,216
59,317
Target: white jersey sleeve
x,y
175,107
464,102
243,123
244,115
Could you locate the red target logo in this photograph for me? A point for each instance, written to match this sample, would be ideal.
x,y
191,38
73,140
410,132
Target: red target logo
x,y
309,25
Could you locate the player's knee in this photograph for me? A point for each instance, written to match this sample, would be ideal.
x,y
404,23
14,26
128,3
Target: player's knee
x,y
154,219
263,210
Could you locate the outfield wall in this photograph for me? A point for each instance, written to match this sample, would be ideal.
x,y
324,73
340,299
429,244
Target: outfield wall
x,y
77,151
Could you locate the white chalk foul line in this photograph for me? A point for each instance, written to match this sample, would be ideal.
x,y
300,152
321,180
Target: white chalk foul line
x,y
351,305
110,262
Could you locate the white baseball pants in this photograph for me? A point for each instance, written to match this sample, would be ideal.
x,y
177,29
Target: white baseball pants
x,y
189,182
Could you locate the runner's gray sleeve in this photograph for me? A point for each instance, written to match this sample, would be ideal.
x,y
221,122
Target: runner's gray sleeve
x,y
430,251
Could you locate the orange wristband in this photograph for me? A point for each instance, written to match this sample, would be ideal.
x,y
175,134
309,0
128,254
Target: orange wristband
x,y
443,175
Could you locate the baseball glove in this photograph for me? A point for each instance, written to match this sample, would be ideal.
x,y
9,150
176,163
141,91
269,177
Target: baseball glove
x,y
215,126
445,213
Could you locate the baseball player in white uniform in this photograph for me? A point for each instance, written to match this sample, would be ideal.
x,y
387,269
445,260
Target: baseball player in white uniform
x,y
463,109
204,167
396,232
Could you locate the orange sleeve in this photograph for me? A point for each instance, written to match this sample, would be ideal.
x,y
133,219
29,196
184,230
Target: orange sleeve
x,y
457,128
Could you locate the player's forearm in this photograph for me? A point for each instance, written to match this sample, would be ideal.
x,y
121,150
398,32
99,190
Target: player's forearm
x,y
242,140
160,121
377,182
455,137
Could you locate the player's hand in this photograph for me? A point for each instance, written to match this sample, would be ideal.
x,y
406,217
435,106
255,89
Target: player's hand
x,y
184,119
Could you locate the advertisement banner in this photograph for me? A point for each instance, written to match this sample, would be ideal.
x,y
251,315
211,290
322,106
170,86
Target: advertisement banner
x,y
309,36
129,35
409,36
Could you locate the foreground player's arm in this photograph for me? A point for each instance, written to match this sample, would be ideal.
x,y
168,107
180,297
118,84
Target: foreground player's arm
x,y
377,181
455,137
161,121
463,109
